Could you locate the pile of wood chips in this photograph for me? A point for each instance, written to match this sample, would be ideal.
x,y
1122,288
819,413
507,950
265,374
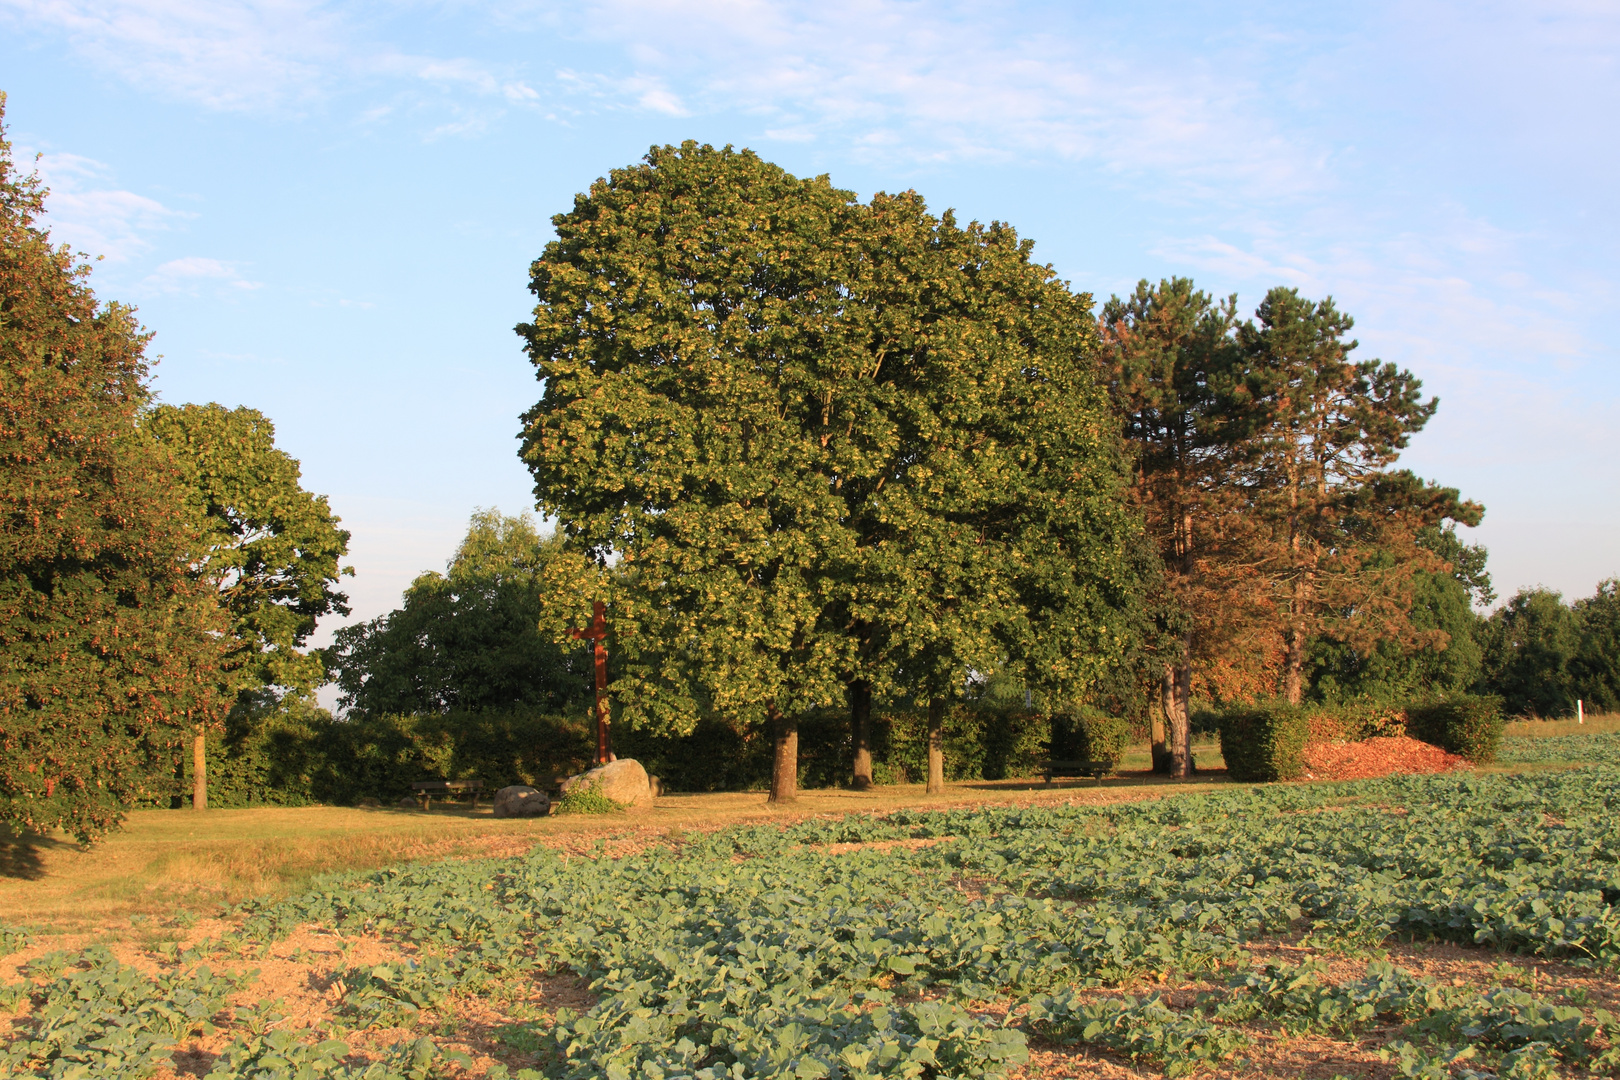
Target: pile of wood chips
x,y
1377,757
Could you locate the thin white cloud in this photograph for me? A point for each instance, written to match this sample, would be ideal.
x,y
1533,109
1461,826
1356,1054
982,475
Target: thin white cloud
x,y
86,211
191,274
242,54
934,82
225,54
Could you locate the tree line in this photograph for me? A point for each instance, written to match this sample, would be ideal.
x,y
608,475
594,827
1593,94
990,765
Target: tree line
x,y
810,452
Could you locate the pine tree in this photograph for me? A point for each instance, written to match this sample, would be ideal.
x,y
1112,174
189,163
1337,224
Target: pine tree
x,y
1169,353
1341,532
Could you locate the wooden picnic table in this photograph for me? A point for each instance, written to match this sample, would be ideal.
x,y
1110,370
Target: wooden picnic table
x,y
426,789
1095,769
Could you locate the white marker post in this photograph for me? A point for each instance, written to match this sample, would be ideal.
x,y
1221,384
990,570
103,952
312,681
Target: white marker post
x,y
1580,713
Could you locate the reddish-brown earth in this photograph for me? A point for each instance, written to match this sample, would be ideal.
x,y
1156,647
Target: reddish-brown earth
x,y
1378,756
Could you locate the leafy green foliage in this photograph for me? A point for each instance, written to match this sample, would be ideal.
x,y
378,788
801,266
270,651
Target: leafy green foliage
x,y
1468,725
1583,749
1541,655
109,655
1090,735
388,995
587,800
1181,1042
297,757
827,443
1264,742
466,640
269,548
1392,672
1300,998
104,1018
757,952
1531,643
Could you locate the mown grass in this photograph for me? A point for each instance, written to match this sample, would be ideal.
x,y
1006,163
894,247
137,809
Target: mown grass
x,y
164,861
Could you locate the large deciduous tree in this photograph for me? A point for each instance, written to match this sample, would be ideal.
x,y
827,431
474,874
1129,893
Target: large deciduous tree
x,y
269,548
1341,533
110,650
979,471
467,639
684,312
806,448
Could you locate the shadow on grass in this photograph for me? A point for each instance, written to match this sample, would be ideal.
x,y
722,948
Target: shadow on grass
x,y
20,853
1124,779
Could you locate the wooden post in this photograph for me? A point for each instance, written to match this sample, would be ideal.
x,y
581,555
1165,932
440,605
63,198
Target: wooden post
x,y
199,771
594,633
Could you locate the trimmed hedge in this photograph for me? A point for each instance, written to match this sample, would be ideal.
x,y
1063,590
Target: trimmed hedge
x,y
296,758
1089,734
1264,742
1469,725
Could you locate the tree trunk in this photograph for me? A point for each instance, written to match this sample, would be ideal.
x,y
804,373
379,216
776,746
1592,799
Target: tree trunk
x,y
860,722
1160,747
785,765
936,746
1177,689
1294,672
199,772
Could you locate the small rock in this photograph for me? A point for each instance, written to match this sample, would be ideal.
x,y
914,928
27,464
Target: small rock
x,y
409,802
655,785
520,800
623,781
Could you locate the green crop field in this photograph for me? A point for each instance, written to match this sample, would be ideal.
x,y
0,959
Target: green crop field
x,y
1455,925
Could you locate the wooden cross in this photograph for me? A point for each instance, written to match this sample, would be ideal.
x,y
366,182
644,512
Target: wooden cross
x,y
595,633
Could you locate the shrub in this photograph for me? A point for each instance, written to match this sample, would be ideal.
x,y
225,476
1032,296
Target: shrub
x,y
1468,725
1089,734
587,799
1264,742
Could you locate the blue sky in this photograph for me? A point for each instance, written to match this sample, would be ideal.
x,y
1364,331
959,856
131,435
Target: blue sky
x,y
326,211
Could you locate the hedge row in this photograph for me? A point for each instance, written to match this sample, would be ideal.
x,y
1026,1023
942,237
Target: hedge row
x,y
284,760
1265,742
1469,727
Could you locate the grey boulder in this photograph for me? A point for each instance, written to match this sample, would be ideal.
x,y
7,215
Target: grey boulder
x,y
625,782
520,800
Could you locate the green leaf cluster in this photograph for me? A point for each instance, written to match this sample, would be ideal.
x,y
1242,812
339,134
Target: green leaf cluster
x,y
796,441
269,548
110,654
467,640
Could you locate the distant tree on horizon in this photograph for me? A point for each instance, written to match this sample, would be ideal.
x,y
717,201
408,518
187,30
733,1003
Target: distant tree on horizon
x,y
467,639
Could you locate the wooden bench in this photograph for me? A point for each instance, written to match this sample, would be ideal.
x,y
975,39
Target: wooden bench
x,y
426,789
1094,769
